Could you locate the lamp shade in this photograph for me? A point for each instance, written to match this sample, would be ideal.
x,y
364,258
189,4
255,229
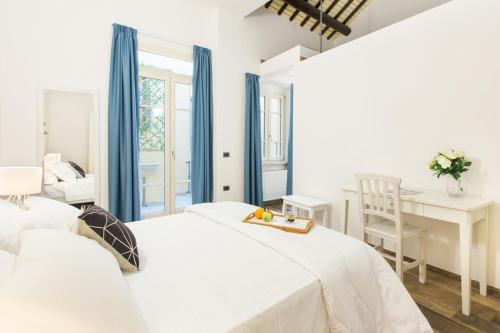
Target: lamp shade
x,y
20,180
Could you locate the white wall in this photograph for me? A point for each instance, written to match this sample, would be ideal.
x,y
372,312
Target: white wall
x,y
241,7
382,13
385,103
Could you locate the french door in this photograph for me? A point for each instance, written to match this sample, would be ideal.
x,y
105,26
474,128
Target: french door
x,y
164,140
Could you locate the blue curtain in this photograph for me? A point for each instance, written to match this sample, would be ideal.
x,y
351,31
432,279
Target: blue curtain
x,y
289,177
123,125
202,182
253,158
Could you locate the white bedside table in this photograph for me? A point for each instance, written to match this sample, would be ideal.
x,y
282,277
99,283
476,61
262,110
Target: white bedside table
x,y
312,206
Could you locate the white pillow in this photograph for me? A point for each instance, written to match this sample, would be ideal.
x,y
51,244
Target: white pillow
x,y
7,264
13,221
42,213
64,172
67,283
53,214
49,178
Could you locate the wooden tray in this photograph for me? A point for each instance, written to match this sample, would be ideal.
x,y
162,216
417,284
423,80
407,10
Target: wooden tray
x,y
301,225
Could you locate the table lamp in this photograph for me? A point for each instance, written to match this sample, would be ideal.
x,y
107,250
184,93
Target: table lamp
x,y
19,182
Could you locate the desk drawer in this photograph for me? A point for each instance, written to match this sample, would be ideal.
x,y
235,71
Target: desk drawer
x,y
445,214
412,208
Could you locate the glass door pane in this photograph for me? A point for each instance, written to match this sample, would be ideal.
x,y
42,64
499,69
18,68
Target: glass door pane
x,y
275,128
152,130
183,96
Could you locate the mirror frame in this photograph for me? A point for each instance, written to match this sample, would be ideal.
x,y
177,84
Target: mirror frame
x,y
95,141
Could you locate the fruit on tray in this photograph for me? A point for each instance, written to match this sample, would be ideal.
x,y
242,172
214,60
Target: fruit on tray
x,y
290,218
259,212
267,216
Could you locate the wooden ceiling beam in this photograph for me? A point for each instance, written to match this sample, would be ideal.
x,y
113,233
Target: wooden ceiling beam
x,y
348,18
315,13
304,21
282,9
295,13
327,11
340,12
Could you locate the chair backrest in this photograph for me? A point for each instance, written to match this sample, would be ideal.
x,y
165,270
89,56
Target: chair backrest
x,y
379,195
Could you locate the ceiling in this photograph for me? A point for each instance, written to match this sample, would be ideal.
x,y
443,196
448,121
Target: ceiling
x,y
241,7
341,12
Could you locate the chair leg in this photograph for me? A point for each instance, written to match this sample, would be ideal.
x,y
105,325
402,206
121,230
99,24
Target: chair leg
x,y
422,268
399,259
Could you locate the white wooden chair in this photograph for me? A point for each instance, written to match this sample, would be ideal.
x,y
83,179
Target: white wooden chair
x,y
379,207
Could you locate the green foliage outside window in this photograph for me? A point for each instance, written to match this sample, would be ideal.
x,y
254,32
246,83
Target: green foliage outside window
x,y
151,114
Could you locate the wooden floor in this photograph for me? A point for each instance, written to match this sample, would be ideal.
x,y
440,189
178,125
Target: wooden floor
x,y
274,205
440,301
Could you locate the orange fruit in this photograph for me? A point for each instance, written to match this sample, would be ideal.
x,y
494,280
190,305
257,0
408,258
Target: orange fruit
x,y
259,212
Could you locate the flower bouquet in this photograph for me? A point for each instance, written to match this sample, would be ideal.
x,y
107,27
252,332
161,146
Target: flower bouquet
x,y
452,163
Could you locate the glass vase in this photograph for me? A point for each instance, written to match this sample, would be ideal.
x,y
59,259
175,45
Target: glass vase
x,y
454,187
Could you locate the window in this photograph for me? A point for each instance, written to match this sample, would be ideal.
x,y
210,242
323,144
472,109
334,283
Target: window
x,y
178,66
272,120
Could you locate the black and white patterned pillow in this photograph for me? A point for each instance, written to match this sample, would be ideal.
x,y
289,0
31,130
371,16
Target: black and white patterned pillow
x,y
112,234
78,169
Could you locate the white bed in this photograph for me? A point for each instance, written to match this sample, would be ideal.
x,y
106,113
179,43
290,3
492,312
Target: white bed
x,y
205,271
201,271
80,190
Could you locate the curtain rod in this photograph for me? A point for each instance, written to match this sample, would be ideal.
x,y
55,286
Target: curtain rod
x,y
165,40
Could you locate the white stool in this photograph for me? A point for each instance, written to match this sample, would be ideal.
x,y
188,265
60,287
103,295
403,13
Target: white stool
x,y
311,205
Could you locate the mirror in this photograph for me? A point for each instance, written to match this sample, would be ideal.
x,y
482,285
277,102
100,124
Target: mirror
x,y
69,145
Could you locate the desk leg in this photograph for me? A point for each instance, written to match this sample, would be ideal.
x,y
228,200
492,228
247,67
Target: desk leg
x,y
283,208
482,237
343,226
312,215
465,249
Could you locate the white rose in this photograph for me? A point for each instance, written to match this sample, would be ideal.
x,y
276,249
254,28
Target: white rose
x,y
451,154
444,162
459,154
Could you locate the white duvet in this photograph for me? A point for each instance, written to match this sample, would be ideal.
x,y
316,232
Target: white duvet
x,y
197,276
72,191
205,271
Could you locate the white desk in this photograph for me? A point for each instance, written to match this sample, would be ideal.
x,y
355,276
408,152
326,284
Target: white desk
x,y
465,212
